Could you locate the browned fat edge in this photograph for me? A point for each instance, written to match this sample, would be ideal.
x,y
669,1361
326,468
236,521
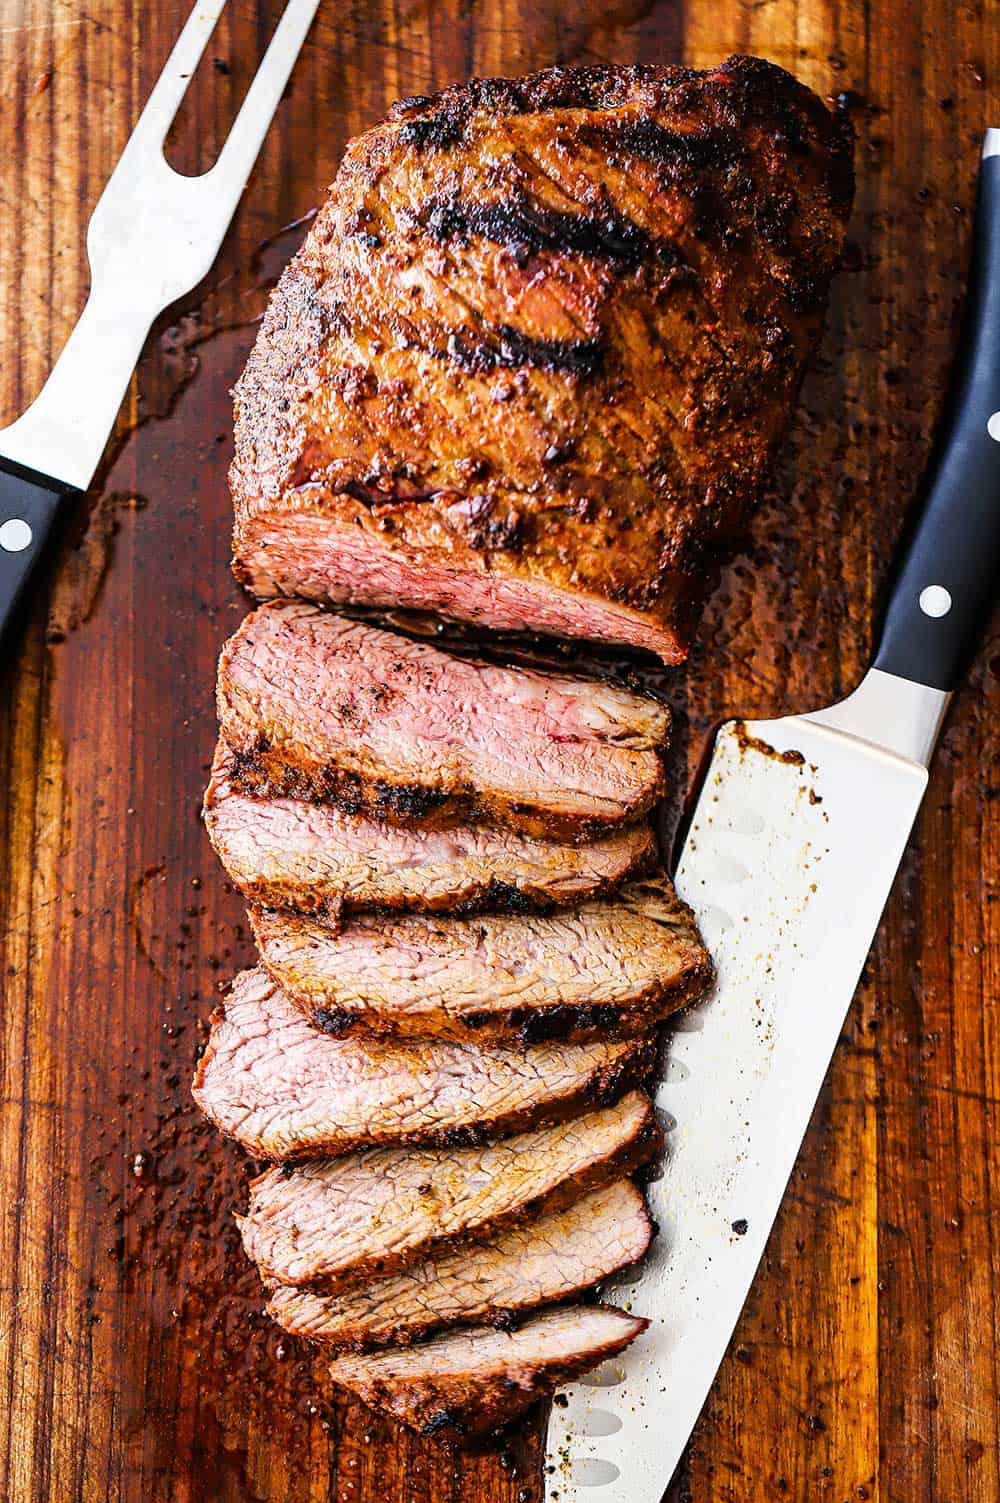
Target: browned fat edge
x,y
603,1087
451,1427
647,1144
559,1023
496,897
499,1317
206,1054
265,773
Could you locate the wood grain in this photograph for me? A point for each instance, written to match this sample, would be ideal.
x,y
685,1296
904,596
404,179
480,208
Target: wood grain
x,y
135,1366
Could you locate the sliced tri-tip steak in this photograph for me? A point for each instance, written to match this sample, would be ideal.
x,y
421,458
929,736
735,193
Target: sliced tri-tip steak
x,y
320,707
334,1221
552,1257
470,1381
606,968
284,1089
316,858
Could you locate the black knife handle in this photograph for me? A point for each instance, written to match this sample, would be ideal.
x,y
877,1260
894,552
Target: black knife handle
x,y
948,577
29,505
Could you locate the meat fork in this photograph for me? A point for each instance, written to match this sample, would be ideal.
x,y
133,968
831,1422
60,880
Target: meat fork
x,y
152,237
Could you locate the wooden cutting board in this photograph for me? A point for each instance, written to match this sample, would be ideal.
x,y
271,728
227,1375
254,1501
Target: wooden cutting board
x,y
135,1365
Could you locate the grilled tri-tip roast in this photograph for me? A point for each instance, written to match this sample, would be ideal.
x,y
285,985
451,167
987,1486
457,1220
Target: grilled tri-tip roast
x,y
284,1089
533,359
317,706
549,1257
333,1222
290,853
471,1381
604,968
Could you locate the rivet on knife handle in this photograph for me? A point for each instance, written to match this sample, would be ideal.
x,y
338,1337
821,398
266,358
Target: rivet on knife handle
x,y
947,582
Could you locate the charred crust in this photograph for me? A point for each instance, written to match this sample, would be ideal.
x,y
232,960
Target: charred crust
x,y
496,897
740,90
557,1023
407,801
333,1021
265,773
611,1083
559,88
487,525
444,1419
565,1021
676,153
438,132
468,1135
512,350
527,227
504,897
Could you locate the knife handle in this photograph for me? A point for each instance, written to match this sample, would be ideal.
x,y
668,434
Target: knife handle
x,y
948,577
29,506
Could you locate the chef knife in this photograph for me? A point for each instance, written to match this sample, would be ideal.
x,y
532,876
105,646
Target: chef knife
x,y
152,237
790,854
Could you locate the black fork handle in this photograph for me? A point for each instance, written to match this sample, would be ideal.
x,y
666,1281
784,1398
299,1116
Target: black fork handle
x,y
948,578
29,508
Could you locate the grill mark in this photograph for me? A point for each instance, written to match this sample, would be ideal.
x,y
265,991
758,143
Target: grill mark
x,y
686,269
436,411
527,160
527,228
596,165
532,397
669,251
583,357
800,292
458,268
577,357
647,140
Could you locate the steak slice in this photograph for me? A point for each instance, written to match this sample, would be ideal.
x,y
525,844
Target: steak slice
x,y
285,1090
616,967
320,859
469,1381
551,1257
532,361
334,1221
319,707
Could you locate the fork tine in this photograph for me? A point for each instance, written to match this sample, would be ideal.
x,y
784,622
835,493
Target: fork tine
x,y
171,86
239,153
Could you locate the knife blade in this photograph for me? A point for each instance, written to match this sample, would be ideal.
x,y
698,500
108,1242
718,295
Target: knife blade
x,y
791,852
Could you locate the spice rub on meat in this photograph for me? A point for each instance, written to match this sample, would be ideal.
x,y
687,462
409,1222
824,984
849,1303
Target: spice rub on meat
x,y
531,364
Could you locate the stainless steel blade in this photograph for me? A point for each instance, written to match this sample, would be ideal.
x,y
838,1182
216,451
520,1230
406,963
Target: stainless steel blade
x,y
795,841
